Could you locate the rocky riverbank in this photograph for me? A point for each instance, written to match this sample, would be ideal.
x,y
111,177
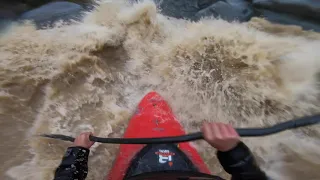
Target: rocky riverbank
x,y
292,12
41,11
305,14
14,8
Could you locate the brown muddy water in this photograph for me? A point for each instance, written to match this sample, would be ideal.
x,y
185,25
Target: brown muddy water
x,y
91,75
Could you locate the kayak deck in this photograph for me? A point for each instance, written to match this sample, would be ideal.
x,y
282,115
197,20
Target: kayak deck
x,y
153,118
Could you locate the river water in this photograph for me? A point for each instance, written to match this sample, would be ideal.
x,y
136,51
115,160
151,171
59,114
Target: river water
x,y
90,76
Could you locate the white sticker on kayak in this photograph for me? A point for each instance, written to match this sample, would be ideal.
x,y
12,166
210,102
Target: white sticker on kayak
x,y
165,156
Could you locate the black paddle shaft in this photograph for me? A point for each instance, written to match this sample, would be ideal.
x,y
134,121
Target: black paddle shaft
x,y
244,132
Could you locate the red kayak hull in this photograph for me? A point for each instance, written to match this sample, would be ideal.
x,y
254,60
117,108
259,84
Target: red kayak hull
x,y
153,118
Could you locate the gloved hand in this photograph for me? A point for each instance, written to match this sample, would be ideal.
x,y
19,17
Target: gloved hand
x,y
83,140
221,136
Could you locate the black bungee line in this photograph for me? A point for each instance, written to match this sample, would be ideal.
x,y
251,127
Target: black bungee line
x,y
243,132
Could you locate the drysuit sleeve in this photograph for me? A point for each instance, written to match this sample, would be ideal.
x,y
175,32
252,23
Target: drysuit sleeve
x,y
74,164
240,163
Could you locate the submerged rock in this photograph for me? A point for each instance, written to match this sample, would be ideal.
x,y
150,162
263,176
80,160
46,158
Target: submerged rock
x,y
304,8
304,13
4,24
289,12
9,12
229,10
287,19
179,8
205,3
37,3
53,12
12,10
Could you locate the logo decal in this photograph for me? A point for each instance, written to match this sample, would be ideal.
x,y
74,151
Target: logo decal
x,y
165,156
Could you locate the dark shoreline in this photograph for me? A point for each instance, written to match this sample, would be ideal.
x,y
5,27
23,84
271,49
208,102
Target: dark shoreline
x,y
305,14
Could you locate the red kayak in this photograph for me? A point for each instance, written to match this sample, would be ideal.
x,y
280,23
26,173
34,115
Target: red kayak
x,y
154,118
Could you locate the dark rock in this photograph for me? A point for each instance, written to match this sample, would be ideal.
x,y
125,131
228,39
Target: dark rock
x,y
7,14
179,8
37,3
287,19
229,10
11,10
4,24
304,8
182,8
195,9
205,3
48,14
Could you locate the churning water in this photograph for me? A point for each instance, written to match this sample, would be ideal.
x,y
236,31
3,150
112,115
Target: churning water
x,y
91,76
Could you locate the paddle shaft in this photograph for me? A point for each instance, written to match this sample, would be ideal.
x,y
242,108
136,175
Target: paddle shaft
x,y
243,132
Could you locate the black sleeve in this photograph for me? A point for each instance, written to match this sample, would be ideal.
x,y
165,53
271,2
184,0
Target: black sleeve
x,y
240,163
74,164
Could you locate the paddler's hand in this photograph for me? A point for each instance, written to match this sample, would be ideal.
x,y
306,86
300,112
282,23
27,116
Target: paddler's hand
x,y
83,140
221,136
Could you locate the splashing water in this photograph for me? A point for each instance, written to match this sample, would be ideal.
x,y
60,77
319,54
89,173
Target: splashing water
x,y
89,76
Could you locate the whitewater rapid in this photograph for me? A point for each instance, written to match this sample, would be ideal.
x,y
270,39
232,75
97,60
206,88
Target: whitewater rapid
x,y
89,76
